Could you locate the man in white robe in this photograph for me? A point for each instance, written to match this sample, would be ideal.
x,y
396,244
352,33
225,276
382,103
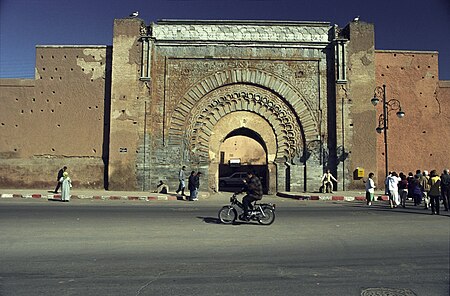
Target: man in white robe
x,y
66,184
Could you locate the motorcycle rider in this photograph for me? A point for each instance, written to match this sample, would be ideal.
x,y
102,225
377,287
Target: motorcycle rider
x,y
254,190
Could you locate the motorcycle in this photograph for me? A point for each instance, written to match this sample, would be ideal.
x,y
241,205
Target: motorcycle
x,y
263,213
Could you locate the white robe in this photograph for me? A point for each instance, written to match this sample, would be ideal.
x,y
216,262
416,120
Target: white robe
x,y
66,184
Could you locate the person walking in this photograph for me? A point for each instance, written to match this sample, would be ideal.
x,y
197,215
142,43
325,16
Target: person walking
x,y
196,185
394,199
66,184
445,189
370,189
181,178
58,178
435,192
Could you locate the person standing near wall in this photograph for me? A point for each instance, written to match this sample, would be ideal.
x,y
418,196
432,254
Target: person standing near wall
x,y
181,178
403,189
197,185
425,189
435,192
191,185
394,199
58,178
66,184
370,189
445,189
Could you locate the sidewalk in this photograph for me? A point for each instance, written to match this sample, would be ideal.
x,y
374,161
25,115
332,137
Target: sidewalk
x,y
335,196
99,194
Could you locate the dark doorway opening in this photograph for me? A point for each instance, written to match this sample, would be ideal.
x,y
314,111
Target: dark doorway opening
x,y
242,151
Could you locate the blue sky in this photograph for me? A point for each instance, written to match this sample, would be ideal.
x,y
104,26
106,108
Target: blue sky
x,y
399,24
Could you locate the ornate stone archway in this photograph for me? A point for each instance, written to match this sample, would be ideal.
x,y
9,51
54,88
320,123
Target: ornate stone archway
x,y
192,122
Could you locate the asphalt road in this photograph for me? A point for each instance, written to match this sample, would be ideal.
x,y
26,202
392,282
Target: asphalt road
x,y
179,248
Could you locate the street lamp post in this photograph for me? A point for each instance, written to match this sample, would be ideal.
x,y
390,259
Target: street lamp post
x,y
383,119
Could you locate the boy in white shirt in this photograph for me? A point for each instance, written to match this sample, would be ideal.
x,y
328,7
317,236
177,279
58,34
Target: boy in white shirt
x,y
370,189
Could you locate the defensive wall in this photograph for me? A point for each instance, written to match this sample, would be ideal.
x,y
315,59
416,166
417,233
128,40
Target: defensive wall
x,y
170,93
421,139
59,118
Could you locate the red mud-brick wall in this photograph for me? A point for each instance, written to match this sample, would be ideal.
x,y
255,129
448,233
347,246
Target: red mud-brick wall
x,y
420,140
55,119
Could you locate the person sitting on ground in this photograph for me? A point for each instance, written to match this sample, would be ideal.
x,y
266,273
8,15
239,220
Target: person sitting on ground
x,y
162,187
327,185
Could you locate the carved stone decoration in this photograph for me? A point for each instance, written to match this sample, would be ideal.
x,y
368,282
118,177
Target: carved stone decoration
x,y
197,125
235,31
297,81
144,30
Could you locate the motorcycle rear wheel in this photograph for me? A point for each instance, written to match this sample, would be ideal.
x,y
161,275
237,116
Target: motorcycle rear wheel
x,y
227,215
268,217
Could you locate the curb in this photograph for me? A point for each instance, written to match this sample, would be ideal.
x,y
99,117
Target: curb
x,y
168,197
328,197
158,197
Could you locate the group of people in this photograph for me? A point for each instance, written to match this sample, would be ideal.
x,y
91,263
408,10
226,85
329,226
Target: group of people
x,y
65,183
193,184
421,187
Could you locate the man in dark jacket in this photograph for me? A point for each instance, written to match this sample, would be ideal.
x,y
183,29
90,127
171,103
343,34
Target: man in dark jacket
x,y
60,175
191,185
194,185
254,191
445,189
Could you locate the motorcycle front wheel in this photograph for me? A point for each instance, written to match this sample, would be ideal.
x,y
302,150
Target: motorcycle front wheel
x,y
267,216
227,215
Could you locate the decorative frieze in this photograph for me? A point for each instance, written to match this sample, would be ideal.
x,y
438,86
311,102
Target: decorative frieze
x,y
233,31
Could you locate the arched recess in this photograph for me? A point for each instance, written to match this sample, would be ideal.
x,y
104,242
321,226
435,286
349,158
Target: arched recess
x,y
249,133
233,124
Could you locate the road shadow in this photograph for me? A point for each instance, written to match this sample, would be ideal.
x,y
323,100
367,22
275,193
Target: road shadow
x,y
213,220
210,220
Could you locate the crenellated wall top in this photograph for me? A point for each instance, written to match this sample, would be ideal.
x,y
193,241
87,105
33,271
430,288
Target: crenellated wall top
x,y
241,31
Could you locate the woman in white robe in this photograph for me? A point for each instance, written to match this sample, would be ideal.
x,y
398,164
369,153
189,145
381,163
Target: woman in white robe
x,y
66,184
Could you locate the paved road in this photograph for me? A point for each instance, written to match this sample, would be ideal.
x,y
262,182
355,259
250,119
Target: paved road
x,y
178,248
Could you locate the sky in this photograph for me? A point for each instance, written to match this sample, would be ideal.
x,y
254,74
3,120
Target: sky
x,y
399,24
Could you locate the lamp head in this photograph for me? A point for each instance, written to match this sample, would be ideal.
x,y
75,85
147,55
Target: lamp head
x,y
400,114
374,101
379,130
